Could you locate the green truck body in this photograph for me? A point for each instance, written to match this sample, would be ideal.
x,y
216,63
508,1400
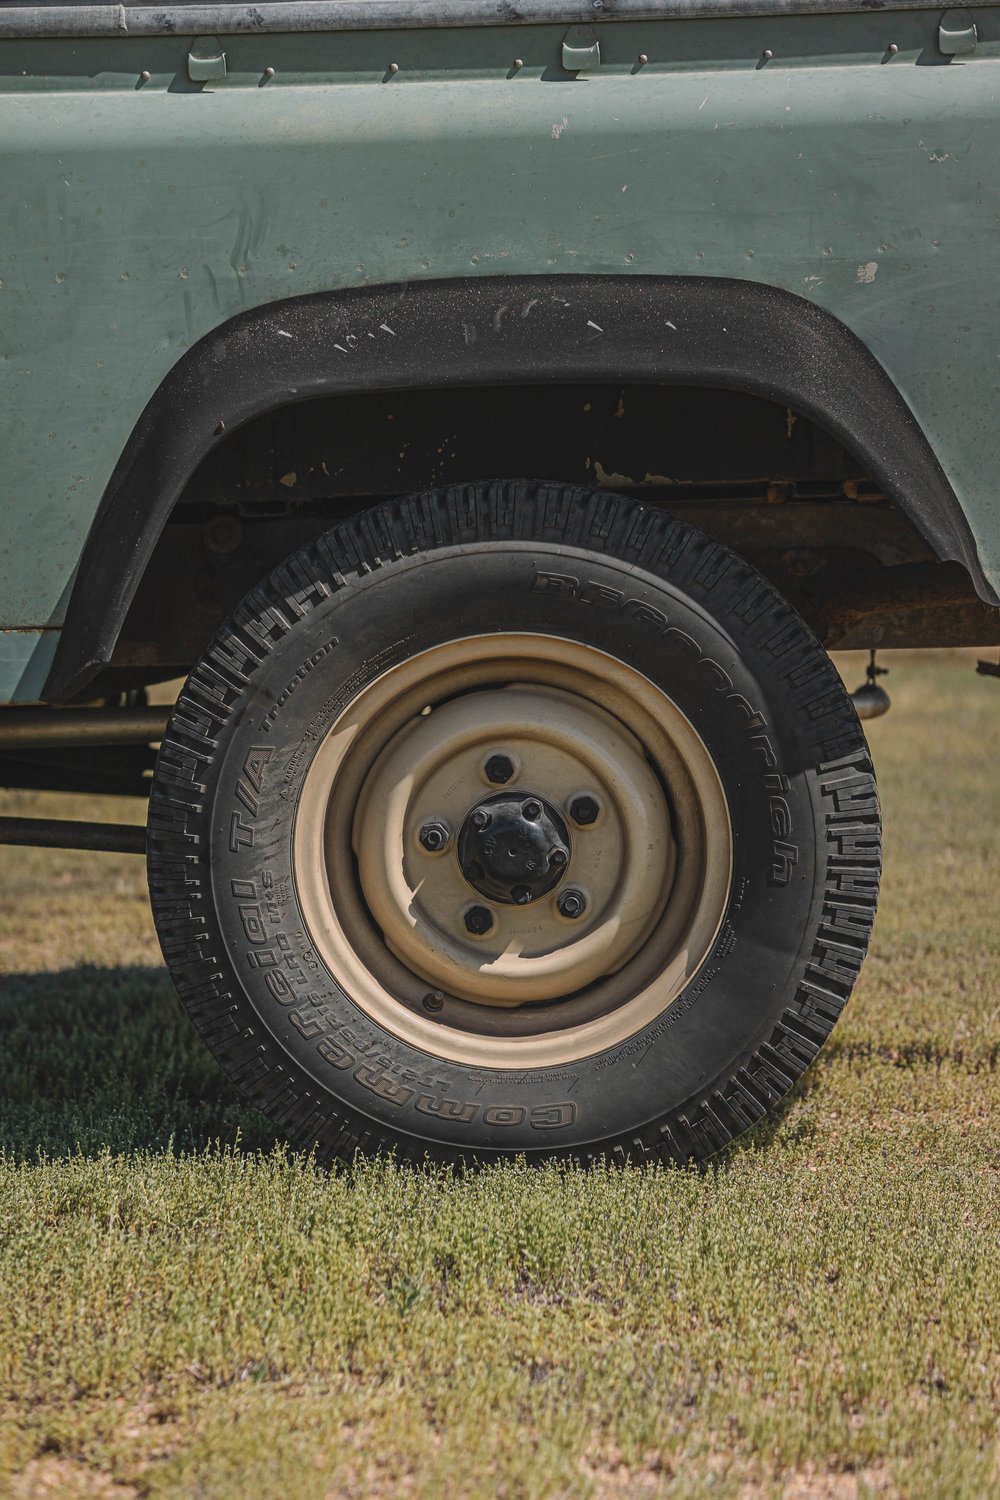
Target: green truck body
x,y
838,154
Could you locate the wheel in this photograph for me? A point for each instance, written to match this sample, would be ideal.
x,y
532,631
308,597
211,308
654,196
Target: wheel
x,y
514,818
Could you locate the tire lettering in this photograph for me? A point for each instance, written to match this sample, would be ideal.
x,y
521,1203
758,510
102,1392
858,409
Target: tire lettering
x,y
504,1114
445,1109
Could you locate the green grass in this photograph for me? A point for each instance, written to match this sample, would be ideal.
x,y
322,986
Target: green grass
x,y
188,1311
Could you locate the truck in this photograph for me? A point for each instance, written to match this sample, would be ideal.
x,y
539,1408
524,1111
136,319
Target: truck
x,y
495,411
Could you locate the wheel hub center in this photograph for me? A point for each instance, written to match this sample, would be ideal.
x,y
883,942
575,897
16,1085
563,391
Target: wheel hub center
x,y
513,847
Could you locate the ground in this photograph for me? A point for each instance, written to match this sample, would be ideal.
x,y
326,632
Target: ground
x,y
188,1311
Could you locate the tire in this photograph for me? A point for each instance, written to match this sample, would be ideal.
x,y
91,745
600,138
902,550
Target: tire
x,y
599,652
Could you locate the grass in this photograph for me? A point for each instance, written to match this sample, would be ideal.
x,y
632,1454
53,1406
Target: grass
x,y
188,1311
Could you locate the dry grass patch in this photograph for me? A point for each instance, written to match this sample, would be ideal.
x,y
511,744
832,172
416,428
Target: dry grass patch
x,y
188,1311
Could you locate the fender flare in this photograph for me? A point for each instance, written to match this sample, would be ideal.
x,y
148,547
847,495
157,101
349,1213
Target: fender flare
x,y
498,330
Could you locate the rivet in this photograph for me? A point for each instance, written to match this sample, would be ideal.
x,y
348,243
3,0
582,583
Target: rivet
x,y
269,71
892,48
767,54
584,810
499,768
572,904
434,837
643,59
394,67
145,76
519,62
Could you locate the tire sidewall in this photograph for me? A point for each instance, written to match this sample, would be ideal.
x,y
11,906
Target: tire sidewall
x,y
718,676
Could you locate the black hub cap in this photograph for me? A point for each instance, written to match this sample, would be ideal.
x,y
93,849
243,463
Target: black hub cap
x,y
513,848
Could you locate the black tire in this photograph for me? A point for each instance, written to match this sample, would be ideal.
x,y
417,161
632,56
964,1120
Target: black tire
x,y
783,736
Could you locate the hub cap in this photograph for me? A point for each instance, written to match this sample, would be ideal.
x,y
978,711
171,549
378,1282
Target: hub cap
x,y
513,848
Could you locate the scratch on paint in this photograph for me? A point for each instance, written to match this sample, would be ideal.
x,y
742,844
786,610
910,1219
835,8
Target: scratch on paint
x,y
867,273
558,129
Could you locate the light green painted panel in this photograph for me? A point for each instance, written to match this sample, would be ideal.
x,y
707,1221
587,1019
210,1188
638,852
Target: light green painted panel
x,y
25,659
135,217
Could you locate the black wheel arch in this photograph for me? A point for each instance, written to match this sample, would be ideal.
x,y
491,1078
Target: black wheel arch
x,y
498,330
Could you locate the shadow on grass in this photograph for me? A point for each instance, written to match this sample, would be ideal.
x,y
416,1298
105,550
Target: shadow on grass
x,y
105,1059
97,1059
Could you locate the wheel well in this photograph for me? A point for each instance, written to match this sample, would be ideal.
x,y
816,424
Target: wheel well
x,y
693,390
756,474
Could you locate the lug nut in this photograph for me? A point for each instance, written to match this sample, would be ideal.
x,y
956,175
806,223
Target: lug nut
x,y
499,769
434,837
572,904
532,811
584,811
558,857
481,819
478,920
520,895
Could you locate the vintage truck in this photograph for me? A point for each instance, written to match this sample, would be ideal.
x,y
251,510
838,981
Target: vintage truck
x,y
495,410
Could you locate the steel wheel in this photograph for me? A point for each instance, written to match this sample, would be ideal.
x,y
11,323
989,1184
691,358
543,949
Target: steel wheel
x,y
527,827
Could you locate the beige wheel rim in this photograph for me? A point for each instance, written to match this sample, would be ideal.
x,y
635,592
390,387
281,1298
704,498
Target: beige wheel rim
x,y
602,857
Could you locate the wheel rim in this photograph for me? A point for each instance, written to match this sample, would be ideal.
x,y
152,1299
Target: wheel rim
x,y
512,851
